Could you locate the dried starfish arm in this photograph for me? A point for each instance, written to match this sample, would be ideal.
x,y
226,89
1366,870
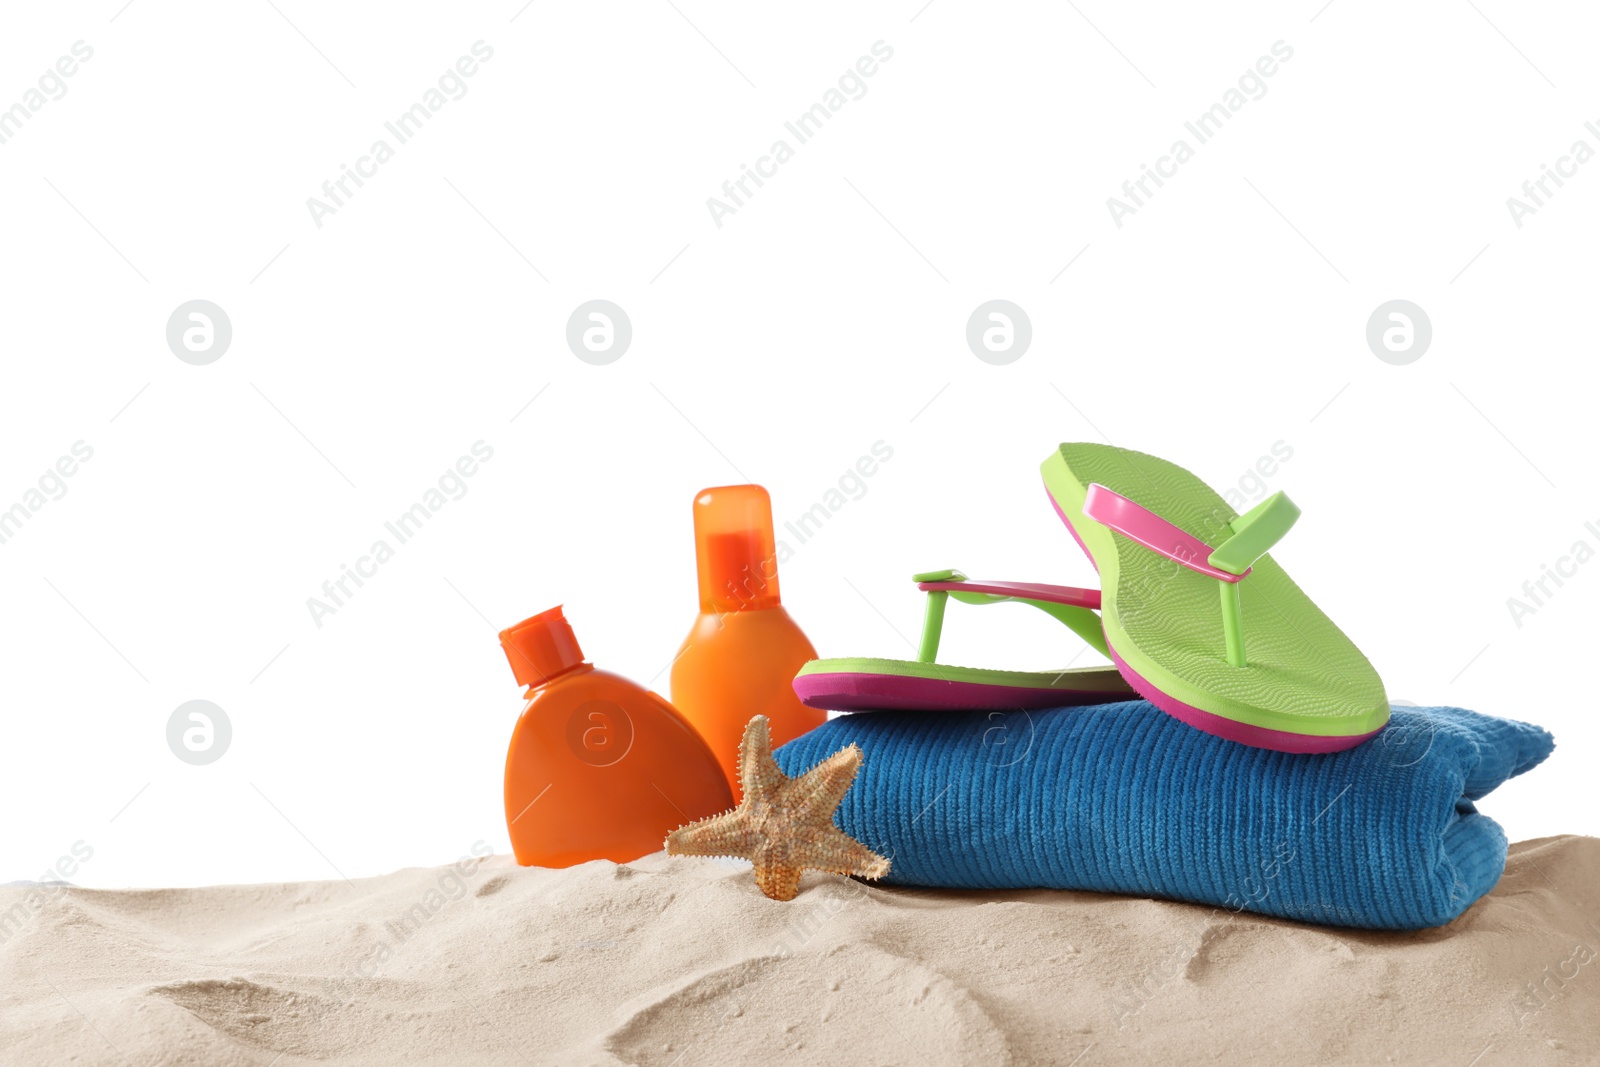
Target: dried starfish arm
x,y
832,850
821,789
728,834
759,774
779,883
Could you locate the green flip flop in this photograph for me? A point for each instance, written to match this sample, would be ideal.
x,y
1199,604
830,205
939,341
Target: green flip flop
x,y
1198,618
868,684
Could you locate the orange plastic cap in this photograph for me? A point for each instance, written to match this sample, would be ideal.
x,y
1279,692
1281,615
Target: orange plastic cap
x,y
541,647
734,549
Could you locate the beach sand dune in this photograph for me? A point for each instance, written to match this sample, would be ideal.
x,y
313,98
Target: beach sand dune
x,y
683,961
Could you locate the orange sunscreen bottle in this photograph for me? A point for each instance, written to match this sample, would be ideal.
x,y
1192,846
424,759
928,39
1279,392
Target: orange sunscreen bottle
x,y
741,657
599,768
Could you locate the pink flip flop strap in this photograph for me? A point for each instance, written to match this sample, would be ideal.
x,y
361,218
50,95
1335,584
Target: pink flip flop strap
x,y
1054,594
1138,523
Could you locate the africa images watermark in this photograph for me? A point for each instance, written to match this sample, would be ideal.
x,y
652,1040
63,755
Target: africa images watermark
x,y
852,482
38,894
451,884
52,485
1537,190
52,85
1536,592
810,522
753,581
1203,128
1248,489
802,129
409,123
1527,1002
403,528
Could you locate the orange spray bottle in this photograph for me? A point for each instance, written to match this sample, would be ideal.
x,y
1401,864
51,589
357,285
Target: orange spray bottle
x,y
741,656
598,768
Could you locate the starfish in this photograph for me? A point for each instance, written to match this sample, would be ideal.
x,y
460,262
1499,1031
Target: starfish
x,y
783,825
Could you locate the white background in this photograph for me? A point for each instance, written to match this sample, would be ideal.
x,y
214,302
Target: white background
x,y
827,314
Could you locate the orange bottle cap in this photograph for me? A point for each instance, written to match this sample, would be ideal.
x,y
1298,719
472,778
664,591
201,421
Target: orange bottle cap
x,y
734,549
541,647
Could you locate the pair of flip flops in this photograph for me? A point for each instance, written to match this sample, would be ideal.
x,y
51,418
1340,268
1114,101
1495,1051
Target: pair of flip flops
x,y
1193,614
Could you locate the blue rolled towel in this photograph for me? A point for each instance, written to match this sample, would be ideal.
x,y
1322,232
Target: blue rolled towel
x,y
1123,798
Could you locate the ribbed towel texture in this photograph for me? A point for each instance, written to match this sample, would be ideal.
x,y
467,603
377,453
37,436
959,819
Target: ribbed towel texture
x,y
1123,798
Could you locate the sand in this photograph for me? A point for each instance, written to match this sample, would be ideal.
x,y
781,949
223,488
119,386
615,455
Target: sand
x,y
680,960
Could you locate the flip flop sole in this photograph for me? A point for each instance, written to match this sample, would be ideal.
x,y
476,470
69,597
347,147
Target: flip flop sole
x,y
1306,688
867,684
